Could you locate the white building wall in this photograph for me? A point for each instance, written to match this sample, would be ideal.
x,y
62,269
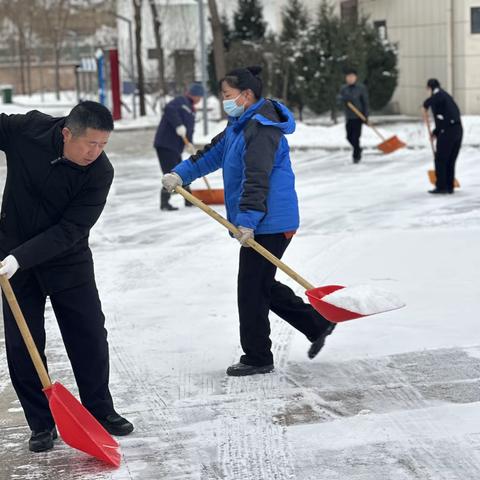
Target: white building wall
x,y
434,40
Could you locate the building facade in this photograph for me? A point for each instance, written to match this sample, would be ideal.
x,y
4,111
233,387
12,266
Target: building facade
x,y
435,38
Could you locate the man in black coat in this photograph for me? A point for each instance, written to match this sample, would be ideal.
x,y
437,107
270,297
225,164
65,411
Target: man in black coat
x,y
58,178
448,132
355,93
176,126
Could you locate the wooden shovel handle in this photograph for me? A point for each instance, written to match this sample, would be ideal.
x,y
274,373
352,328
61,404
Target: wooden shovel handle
x,y
359,114
252,243
25,331
426,119
207,183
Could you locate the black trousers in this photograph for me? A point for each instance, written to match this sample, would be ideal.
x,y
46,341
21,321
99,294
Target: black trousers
x,y
81,321
354,131
259,292
448,147
168,160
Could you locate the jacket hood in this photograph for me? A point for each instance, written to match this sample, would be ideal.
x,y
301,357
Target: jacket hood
x,y
267,112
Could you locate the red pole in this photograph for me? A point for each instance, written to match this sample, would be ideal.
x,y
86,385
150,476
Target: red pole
x,y
115,84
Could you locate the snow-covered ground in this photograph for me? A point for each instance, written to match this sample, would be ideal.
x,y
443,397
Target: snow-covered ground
x,y
394,396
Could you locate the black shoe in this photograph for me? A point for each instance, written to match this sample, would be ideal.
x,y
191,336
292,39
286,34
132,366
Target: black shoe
x,y
318,344
168,207
114,424
242,370
188,204
42,441
438,191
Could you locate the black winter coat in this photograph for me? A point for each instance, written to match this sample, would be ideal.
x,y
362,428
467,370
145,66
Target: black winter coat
x,y
49,203
356,94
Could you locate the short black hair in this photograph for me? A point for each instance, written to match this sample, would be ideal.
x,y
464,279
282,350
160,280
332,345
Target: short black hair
x,y
245,78
89,114
433,83
350,71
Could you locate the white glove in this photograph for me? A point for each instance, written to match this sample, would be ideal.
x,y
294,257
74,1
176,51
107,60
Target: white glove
x,y
181,131
244,235
9,266
171,180
190,148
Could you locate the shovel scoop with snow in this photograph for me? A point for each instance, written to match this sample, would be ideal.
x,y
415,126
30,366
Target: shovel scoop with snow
x,y
336,303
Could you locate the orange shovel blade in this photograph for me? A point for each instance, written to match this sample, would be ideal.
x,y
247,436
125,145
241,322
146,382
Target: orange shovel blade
x,y
213,196
79,428
330,312
391,144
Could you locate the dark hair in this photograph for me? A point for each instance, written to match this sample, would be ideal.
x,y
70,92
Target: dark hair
x,y
89,115
433,83
350,71
245,78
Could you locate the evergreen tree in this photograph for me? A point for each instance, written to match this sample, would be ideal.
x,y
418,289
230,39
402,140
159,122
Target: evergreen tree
x,y
248,21
382,73
330,46
290,87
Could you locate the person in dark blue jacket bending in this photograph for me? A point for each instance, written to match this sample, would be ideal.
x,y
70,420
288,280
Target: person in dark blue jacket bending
x,y
176,127
261,201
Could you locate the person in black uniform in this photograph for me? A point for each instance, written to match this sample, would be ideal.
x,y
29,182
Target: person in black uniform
x,y
176,126
448,133
355,93
58,178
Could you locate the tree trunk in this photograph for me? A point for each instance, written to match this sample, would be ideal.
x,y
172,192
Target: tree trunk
x,y
218,49
137,6
58,87
157,31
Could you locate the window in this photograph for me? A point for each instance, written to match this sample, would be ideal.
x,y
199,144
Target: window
x,y
349,11
475,16
381,28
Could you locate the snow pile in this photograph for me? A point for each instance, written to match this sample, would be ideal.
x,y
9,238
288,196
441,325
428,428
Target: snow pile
x,y
364,299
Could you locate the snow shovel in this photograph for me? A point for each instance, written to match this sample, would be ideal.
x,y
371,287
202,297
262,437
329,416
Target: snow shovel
x,y
75,423
432,176
388,145
210,196
331,312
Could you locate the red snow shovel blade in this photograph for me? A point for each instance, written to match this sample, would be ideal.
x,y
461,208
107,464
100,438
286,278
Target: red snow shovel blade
x,y
79,428
330,312
391,144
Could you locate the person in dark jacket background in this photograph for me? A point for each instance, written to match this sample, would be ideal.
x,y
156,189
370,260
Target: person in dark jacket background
x,y
58,178
261,201
448,133
176,126
355,93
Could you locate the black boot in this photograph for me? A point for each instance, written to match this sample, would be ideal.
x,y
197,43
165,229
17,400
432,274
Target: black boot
x,y
318,344
241,370
114,424
164,201
187,203
42,441
439,191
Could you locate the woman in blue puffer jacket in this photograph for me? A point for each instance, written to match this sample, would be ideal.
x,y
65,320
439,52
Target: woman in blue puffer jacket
x,y
261,201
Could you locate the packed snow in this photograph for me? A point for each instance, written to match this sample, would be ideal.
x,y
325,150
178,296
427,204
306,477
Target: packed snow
x,y
364,299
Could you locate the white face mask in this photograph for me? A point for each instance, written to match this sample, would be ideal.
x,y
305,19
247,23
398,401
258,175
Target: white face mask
x,y
232,109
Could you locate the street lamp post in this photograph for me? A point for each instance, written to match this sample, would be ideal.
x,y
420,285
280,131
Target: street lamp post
x,y
203,50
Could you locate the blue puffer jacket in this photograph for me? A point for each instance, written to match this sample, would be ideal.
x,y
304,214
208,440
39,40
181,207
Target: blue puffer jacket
x,y
257,173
